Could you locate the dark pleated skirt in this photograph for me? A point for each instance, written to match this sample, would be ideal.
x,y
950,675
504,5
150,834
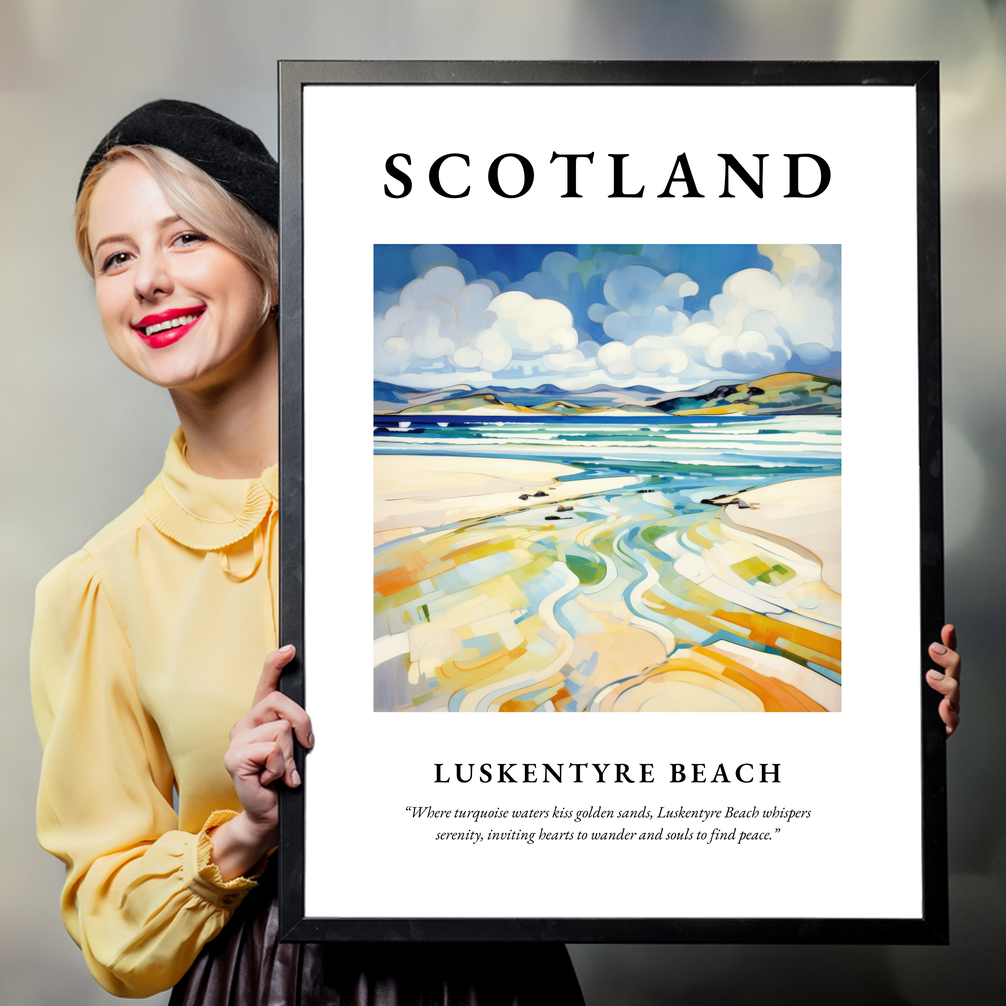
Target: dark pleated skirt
x,y
246,965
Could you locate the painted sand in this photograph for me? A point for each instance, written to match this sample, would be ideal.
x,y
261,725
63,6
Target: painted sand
x,y
636,596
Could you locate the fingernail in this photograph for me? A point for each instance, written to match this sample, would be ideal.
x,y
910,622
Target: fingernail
x,y
287,649
295,777
310,740
936,675
938,648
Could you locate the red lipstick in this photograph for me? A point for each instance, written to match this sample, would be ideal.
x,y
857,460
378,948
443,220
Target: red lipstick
x,y
165,333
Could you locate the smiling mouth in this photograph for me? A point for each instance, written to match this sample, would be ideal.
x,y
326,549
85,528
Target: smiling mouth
x,y
167,327
164,324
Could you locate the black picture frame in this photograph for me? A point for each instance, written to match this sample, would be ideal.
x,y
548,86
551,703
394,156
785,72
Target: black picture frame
x,y
932,925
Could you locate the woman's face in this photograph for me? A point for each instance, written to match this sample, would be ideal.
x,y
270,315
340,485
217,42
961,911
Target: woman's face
x,y
177,308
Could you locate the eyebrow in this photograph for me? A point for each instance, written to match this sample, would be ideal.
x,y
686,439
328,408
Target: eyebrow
x,y
160,225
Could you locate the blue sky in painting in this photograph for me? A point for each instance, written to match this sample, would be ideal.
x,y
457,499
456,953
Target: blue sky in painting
x,y
670,317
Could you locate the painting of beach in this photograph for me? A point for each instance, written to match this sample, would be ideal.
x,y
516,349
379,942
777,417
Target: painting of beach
x,y
607,478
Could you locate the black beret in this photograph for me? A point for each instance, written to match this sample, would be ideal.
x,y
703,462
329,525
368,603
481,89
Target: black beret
x,y
230,154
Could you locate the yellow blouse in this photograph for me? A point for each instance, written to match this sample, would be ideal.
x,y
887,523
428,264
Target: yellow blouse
x,y
147,647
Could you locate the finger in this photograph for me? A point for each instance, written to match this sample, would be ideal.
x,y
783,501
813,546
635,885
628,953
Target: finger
x,y
274,766
271,670
276,706
260,760
948,659
950,716
280,733
944,684
949,636
949,708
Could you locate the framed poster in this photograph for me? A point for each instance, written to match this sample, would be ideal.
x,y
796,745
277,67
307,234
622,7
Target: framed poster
x,y
639,364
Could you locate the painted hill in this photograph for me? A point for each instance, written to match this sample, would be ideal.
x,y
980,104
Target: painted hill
x,y
775,394
393,399
488,404
770,395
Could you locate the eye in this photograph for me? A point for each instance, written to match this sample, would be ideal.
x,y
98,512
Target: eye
x,y
189,239
115,261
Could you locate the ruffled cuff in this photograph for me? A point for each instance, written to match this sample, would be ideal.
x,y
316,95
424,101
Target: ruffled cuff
x,y
203,878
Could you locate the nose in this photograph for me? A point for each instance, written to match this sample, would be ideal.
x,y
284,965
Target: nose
x,y
152,277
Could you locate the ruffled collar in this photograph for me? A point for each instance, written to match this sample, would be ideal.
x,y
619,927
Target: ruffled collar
x,y
203,513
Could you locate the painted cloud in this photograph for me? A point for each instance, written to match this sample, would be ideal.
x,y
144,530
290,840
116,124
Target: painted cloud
x,y
618,319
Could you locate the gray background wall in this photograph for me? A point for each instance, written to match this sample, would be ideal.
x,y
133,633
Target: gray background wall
x,y
82,436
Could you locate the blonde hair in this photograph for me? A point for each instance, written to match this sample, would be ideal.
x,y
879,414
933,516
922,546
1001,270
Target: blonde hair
x,y
199,200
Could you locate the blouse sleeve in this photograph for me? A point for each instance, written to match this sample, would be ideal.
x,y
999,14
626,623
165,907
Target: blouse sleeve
x,y
141,898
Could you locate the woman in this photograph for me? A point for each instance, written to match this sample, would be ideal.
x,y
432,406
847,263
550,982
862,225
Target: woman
x,y
148,643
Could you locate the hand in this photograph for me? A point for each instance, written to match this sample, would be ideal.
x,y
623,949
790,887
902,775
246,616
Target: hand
x,y
947,682
260,754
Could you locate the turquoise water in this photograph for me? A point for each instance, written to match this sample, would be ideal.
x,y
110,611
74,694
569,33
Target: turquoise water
x,y
687,460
